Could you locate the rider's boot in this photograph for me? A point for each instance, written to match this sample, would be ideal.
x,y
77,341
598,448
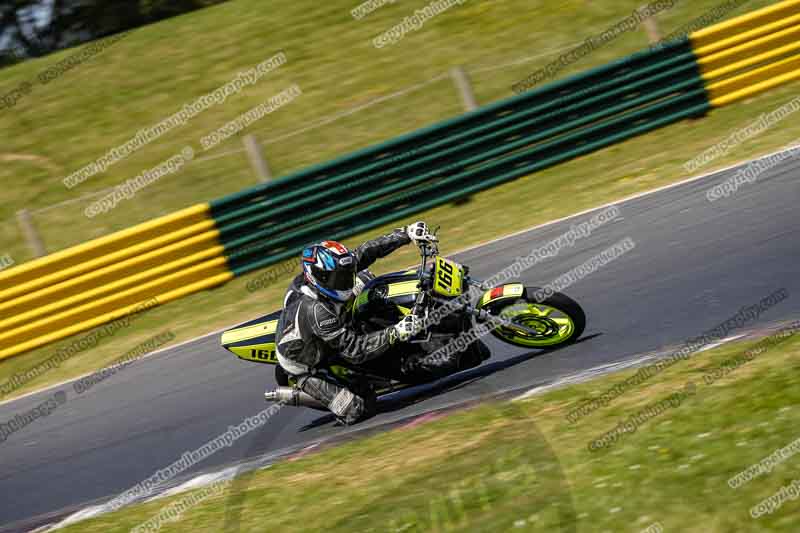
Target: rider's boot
x,y
349,406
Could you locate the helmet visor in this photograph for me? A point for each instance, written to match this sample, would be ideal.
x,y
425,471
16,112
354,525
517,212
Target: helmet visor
x,y
341,279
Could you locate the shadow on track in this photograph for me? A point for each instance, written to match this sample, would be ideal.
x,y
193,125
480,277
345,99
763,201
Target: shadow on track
x,y
420,393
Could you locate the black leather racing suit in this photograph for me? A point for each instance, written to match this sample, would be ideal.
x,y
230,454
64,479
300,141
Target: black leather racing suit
x,y
313,328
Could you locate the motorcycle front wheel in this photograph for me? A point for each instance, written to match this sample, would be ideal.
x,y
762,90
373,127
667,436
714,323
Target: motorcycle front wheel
x,y
558,320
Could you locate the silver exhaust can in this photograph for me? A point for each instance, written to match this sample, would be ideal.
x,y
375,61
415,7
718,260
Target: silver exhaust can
x,y
294,397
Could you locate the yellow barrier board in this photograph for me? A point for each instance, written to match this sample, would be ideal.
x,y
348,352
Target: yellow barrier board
x,y
749,54
135,249
99,292
754,82
744,37
54,266
63,324
54,336
133,270
745,23
753,53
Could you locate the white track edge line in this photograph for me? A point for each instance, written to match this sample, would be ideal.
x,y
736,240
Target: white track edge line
x,y
617,366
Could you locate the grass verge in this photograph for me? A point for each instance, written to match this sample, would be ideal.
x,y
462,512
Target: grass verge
x,y
148,75
521,466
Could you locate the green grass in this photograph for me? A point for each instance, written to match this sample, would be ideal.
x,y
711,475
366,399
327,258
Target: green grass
x,y
516,466
149,75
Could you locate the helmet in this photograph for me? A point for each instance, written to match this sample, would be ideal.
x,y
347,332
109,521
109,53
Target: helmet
x,y
330,268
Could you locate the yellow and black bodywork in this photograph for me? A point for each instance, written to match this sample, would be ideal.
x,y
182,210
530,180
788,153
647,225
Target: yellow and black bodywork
x,y
386,299
521,319
254,340
383,302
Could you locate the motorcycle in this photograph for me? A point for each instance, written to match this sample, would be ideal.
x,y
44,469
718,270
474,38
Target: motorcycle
x,y
451,305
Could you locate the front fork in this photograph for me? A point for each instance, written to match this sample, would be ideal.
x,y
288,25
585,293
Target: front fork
x,y
485,316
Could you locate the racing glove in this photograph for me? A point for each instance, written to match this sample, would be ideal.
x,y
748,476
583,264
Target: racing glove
x,y
408,327
419,232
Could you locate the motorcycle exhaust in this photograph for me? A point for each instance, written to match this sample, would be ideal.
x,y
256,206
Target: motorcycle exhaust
x,y
294,397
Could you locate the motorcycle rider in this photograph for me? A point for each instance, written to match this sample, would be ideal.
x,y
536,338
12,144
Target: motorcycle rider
x,y
315,325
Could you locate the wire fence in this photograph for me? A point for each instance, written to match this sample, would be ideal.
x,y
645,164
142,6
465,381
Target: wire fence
x,y
324,121
70,212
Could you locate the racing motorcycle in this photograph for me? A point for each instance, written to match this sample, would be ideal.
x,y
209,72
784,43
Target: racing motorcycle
x,y
451,305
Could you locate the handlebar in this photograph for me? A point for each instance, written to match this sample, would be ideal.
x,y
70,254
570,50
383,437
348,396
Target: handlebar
x,y
424,254
426,250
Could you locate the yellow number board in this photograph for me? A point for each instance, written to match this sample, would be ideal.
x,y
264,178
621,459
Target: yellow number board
x,y
448,277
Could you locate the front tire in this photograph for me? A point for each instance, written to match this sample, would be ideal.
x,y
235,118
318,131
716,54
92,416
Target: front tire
x,y
559,319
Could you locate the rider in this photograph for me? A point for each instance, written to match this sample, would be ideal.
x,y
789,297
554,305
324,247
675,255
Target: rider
x,y
315,324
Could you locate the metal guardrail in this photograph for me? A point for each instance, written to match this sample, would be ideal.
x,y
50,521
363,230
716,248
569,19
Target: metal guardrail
x,y
79,288
443,162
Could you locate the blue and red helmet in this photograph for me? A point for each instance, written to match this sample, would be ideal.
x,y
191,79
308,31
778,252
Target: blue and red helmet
x,y
330,268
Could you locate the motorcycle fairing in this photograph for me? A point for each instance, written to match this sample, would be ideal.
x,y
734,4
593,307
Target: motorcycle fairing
x,y
510,290
448,278
254,340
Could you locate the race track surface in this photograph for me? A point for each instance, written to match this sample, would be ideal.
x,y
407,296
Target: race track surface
x,y
695,264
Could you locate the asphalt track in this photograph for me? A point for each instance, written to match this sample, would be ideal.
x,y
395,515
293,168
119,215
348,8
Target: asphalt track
x,y
696,263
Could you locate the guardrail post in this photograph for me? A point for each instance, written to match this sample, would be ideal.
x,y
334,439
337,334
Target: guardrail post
x,y
464,87
30,233
651,28
256,155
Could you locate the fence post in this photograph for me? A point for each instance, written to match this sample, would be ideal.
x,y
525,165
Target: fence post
x,y
30,233
464,87
651,28
256,155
